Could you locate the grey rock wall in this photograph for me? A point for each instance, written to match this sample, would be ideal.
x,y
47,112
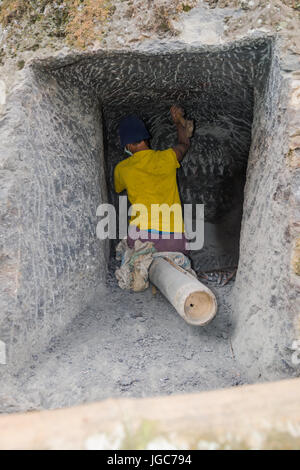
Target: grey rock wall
x,y
265,321
51,184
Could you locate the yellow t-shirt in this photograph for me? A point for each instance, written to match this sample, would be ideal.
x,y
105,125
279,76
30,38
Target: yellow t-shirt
x,y
149,176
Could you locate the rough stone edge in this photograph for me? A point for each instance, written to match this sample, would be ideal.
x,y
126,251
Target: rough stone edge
x,y
292,158
265,416
146,48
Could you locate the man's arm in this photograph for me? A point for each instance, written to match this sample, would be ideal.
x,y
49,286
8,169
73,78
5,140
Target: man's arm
x,y
118,182
183,140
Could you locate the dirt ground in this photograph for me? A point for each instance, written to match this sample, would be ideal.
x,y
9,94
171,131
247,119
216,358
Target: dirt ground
x,y
139,348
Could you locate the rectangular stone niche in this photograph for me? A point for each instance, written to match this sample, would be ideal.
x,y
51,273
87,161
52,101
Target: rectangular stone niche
x,y
64,121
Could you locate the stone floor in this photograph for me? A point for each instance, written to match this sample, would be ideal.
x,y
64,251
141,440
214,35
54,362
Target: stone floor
x,y
129,345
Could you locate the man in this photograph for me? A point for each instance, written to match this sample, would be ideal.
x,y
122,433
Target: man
x,y
149,177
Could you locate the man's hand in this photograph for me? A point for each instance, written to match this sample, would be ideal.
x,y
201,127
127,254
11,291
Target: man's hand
x,y
177,114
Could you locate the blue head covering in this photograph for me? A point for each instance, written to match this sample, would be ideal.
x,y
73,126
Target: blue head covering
x,y
132,130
